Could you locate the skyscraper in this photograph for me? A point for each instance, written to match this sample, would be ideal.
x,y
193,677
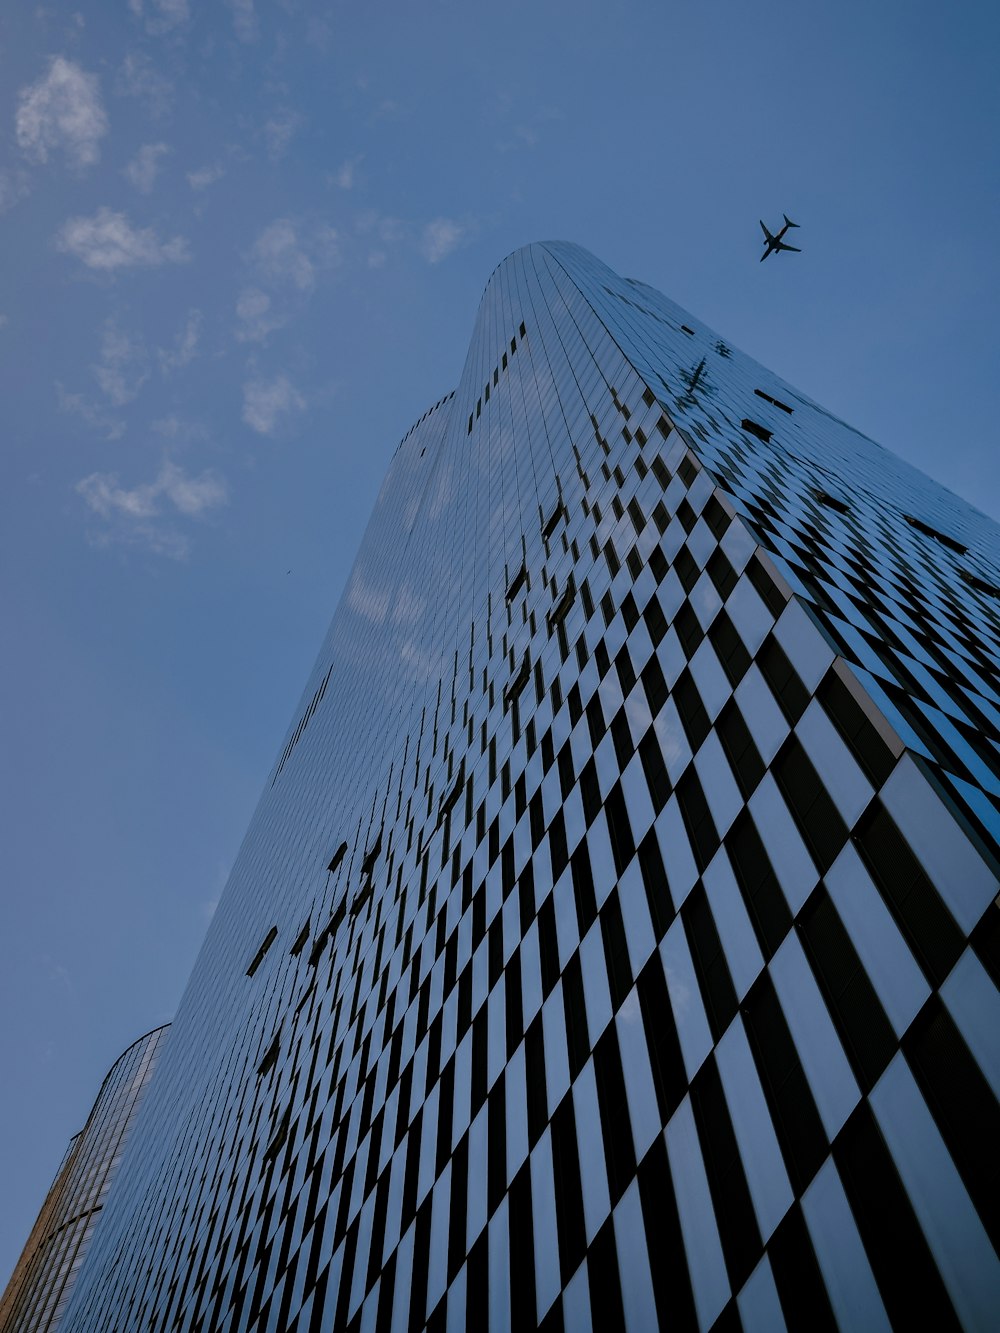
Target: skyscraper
x,y
40,1286
615,943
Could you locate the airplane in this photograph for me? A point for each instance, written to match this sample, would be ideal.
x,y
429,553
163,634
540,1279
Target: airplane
x,y
772,244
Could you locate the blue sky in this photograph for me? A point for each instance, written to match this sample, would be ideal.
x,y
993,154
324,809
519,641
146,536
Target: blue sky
x,y
244,243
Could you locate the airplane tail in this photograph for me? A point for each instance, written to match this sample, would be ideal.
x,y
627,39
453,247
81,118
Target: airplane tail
x,y
788,221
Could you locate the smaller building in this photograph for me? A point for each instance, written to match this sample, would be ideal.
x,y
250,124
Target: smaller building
x,y
43,1278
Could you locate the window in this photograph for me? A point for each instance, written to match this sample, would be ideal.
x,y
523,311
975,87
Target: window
x,y
278,1142
552,522
517,583
270,1058
980,585
517,683
818,819
775,402
832,502
941,537
360,898
559,612
451,798
338,856
325,935
755,428
258,957
368,864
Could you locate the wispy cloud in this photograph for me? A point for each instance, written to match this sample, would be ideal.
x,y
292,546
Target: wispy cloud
x,y
62,112
13,188
527,133
108,241
112,428
182,430
266,403
129,513
145,166
160,16
433,240
124,366
139,78
440,237
287,252
59,975
185,345
285,264
206,176
344,178
245,23
280,130
386,228
256,316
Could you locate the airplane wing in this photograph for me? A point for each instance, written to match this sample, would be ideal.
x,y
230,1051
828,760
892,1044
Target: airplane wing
x,y
766,232
796,248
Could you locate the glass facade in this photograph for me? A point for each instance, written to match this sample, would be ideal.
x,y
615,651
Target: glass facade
x,y
40,1286
615,944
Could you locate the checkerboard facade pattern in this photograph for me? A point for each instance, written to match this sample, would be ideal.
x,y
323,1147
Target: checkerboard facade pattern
x,y
616,942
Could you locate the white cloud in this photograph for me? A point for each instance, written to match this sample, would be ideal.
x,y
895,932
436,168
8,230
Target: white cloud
x,y
161,15
344,178
201,180
62,111
112,427
138,78
106,497
13,188
440,238
144,167
280,130
433,240
192,495
266,402
157,538
128,512
387,229
123,368
185,345
244,20
108,241
178,428
256,316
286,253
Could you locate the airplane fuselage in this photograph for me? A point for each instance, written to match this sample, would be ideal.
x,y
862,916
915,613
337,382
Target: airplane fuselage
x,y
772,244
